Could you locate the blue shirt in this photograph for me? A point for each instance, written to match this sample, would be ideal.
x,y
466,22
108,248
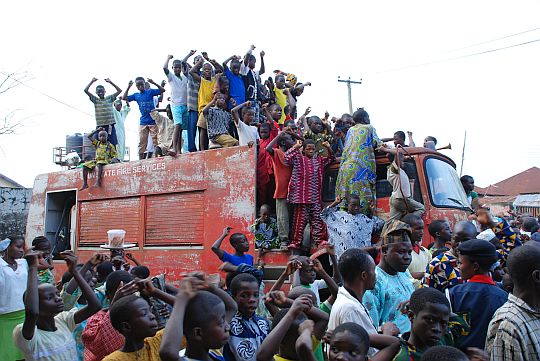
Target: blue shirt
x,y
382,301
145,101
237,260
480,301
237,89
246,336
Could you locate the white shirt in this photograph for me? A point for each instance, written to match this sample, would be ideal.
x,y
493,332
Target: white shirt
x,y
178,88
346,308
247,133
419,263
56,345
12,286
394,179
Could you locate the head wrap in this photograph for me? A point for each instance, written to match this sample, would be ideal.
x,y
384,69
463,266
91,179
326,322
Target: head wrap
x,y
4,244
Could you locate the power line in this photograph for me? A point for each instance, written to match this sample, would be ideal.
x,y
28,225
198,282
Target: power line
x,y
491,41
455,58
46,95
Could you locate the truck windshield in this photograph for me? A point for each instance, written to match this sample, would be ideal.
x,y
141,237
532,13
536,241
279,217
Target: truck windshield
x,y
445,188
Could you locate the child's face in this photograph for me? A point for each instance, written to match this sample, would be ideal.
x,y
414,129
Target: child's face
x,y
398,256
118,106
430,324
316,125
217,333
307,274
398,141
345,346
139,84
466,267
280,82
498,274
251,62
50,302
264,132
247,298
288,141
265,214
45,249
177,68
241,245
417,229
102,136
445,234
143,322
248,116
235,68
100,91
207,71
276,112
220,101
309,150
354,206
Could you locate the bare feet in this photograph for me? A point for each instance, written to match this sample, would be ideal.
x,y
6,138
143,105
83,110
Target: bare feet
x,y
171,153
84,186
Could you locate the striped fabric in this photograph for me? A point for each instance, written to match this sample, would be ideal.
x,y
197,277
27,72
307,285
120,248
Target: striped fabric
x,y
104,109
193,94
514,332
307,173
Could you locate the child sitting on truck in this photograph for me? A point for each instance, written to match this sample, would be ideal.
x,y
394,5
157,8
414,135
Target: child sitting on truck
x,y
265,230
240,244
105,154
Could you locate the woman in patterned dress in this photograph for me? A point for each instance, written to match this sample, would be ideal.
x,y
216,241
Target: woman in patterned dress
x,y
357,170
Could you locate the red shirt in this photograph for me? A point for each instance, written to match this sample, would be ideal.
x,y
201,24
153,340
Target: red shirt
x,y
99,337
264,160
282,174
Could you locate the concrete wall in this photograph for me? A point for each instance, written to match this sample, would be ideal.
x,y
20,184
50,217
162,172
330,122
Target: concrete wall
x,y
14,204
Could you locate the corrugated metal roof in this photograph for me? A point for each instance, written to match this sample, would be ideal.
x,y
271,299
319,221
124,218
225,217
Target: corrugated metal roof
x,y
524,182
527,200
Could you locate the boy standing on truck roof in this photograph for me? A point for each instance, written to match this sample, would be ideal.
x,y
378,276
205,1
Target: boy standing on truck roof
x,y
104,108
145,101
401,201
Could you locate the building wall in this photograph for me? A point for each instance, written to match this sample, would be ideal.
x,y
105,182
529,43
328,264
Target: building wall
x,y
14,204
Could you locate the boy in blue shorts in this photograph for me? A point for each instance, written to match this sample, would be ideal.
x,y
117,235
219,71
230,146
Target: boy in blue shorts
x,y
240,244
179,88
145,101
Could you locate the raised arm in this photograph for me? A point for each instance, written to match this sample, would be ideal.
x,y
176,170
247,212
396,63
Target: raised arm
x,y
290,100
332,285
132,258
262,69
270,345
218,68
248,53
161,89
235,110
147,289
171,343
125,96
166,64
304,344
87,89
196,69
225,67
92,302
89,265
189,55
303,118
118,90
31,301
411,141
91,134
210,105
270,146
216,247
292,266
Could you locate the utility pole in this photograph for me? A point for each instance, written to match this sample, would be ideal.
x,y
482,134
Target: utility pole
x,y
463,154
349,82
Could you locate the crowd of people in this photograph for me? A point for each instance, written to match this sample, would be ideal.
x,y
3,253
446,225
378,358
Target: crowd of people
x,y
359,288
470,296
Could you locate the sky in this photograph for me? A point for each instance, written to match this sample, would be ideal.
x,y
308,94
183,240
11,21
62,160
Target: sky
x,y
415,59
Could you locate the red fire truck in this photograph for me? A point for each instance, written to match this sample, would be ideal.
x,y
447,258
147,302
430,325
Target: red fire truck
x,y
173,209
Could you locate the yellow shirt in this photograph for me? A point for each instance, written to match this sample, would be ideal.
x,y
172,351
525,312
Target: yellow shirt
x,y
150,351
281,99
206,92
314,342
